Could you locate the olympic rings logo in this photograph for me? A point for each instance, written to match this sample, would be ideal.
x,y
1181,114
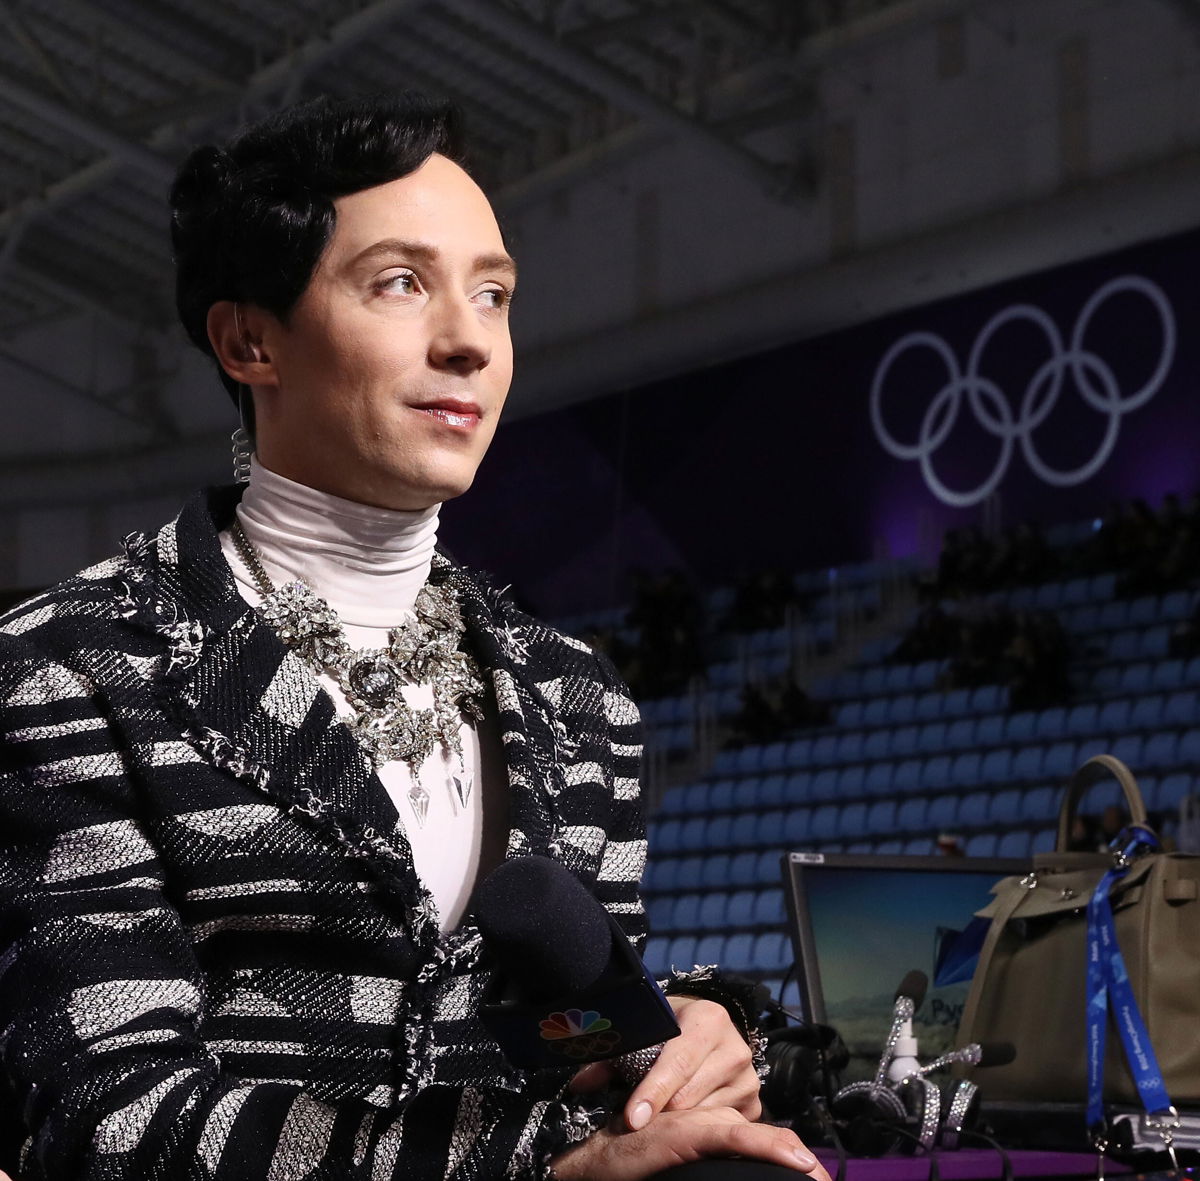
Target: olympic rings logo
x,y
1093,377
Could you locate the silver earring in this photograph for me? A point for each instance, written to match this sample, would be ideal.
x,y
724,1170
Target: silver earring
x,y
243,443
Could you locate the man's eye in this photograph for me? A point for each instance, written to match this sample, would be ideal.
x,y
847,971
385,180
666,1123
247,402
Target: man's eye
x,y
494,297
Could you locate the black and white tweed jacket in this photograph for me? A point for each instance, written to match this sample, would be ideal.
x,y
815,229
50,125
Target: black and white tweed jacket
x,y
216,960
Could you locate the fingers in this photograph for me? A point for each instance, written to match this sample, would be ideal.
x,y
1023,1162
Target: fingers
x,y
708,1065
593,1077
678,1137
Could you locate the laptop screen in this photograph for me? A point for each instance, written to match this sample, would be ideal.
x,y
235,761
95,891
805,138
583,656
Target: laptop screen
x,y
861,922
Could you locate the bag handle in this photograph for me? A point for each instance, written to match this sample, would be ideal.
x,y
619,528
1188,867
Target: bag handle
x,y
1098,767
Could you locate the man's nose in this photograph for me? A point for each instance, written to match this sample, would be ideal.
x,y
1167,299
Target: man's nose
x,y
459,340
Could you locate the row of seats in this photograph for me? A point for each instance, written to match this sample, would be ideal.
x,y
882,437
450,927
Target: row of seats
x,y
768,953
715,909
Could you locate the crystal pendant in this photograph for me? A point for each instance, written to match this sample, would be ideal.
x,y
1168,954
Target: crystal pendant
x,y
462,787
418,799
375,679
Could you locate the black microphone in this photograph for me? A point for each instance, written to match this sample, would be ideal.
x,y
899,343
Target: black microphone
x,y
568,987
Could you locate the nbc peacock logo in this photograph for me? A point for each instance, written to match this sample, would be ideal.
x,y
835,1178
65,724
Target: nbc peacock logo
x,y
580,1033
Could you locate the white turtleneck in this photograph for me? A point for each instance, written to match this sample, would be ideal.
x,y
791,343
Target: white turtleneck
x,y
369,565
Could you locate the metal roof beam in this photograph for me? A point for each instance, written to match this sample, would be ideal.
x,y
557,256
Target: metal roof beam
x,y
24,36
607,81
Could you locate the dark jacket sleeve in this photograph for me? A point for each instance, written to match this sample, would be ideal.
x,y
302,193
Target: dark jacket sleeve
x,y
102,998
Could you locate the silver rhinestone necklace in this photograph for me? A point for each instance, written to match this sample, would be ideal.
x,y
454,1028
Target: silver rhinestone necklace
x,y
425,649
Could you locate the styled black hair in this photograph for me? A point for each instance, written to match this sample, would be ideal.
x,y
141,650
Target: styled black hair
x,y
250,221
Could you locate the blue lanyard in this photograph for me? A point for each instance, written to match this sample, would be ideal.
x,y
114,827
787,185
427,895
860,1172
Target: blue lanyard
x,y
1108,983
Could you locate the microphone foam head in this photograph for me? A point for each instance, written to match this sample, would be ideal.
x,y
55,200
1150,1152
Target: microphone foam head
x,y
548,934
914,986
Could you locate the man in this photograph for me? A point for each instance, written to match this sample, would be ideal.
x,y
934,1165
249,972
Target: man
x,y
252,770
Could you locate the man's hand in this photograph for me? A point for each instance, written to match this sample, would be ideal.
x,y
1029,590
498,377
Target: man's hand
x,y
677,1137
707,1065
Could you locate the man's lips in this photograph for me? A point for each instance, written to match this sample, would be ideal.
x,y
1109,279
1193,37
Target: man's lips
x,y
451,412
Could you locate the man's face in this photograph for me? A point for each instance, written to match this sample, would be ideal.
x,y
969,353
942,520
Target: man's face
x,y
388,378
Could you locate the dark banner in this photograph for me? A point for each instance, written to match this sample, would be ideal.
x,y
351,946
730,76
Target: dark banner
x,y
1048,396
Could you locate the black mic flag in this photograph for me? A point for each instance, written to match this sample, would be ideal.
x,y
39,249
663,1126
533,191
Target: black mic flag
x,y
568,987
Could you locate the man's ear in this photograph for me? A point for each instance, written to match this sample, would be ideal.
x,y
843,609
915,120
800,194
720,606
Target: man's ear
x,y
234,331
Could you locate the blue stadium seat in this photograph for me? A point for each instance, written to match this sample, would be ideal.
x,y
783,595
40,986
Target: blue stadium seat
x,y
960,734
710,949
691,836
1082,720
713,908
1167,674
928,707
1104,586
743,869
989,730
1114,716
1175,606
767,828
875,712
901,709
769,909
982,844
1154,642
772,791
1014,844
849,747
878,779
1027,763
739,953
1005,806
1161,750
907,776
660,911
824,750
850,781
877,744
905,739
715,872
824,823
925,674
1181,708
1043,841
740,912
1020,726
798,787
936,773
743,831
1050,723
996,767
726,763
989,698
657,956
957,702
973,809
881,818
686,915
850,714
851,821
1128,748
1060,761
1075,592
873,680
931,738
767,871
1189,747
896,678
772,952
1039,803
797,829
943,812
825,784
911,814
863,846
718,834
1136,677
689,872
892,845
1106,678
919,846
664,837
660,874
967,770
1171,792
799,752
774,756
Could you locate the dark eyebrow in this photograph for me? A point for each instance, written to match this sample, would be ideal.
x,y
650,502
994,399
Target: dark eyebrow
x,y
391,247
